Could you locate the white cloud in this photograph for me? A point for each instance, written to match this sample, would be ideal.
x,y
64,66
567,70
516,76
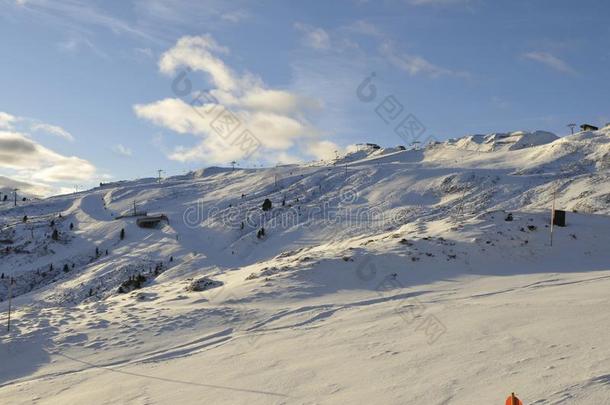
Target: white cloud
x,y
550,60
363,27
274,116
211,150
274,131
314,37
122,150
10,122
235,16
279,101
154,21
162,16
175,114
414,64
65,169
25,187
283,158
325,150
53,130
146,52
79,16
78,43
28,159
197,53
7,120
338,40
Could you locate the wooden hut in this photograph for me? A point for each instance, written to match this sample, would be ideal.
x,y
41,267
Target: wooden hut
x,y
151,221
588,127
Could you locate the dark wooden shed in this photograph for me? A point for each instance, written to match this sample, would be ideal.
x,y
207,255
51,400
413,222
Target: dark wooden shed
x,y
151,221
559,218
588,127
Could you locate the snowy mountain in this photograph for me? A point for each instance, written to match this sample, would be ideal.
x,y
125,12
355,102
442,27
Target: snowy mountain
x,y
508,141
422,276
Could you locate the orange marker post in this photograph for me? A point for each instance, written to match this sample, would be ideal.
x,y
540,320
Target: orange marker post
x,y
513,400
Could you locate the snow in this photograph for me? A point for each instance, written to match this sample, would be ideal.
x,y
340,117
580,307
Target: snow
x,y
388,276
505,141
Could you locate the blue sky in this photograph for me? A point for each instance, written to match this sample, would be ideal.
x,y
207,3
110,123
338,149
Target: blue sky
x,y
87,90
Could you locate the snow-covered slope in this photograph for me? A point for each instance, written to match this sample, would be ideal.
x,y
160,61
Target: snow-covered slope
x,y
390,276
505,141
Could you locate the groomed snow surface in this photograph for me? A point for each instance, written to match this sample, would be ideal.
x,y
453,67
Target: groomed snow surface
x,y
385,277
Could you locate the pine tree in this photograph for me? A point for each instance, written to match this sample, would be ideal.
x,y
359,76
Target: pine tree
x,y
267,205
71,226
97,252
55,235
66,268
25,218
122,236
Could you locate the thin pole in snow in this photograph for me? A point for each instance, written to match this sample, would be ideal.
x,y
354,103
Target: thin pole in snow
x,y
15,191
553,215
10,297
159,171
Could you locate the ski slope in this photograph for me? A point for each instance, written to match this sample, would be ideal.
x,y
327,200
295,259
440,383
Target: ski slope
x,y
385,276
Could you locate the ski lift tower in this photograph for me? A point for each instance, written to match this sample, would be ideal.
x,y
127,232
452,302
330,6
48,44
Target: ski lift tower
x,y
571,126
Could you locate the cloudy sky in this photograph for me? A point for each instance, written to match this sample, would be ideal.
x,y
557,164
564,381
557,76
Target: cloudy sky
x,y
97,91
